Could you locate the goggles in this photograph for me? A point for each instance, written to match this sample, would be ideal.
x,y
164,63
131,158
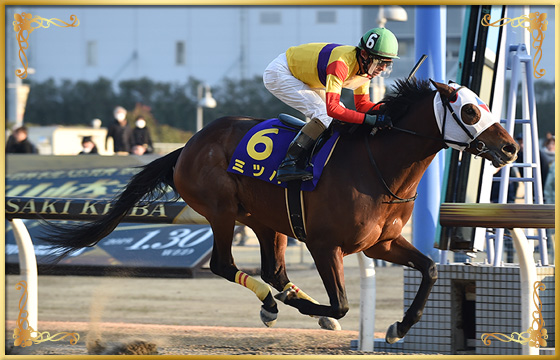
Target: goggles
x,y
376,63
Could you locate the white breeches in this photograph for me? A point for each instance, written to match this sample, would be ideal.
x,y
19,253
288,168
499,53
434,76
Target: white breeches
x,y
279,80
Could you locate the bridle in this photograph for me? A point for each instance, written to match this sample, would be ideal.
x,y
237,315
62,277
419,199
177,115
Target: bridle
x,y
474,143
446,103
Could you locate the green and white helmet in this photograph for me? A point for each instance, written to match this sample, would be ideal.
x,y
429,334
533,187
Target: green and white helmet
x,y
380,42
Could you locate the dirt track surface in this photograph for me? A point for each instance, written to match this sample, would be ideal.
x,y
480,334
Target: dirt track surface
x,y
201,316
194,340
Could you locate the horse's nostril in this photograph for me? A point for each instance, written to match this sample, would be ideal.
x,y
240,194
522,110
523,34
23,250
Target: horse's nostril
x,y
510,149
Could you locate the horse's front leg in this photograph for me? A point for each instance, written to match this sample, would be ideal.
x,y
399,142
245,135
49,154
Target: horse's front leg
x,y
400,251
330,267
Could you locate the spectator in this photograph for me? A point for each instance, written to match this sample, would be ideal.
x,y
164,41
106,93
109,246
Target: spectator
x,y
512,188
548,189
549,198
549,147
239,235
18,143
96,123
141,135
120,132
543,158
88,146
138,150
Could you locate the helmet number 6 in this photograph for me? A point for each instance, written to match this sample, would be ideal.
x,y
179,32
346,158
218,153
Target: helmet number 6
x,y
371,40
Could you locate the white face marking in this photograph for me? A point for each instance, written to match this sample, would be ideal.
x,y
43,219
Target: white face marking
x,y
395,221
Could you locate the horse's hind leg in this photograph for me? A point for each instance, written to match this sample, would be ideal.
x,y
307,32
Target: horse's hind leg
x,y
222,264
273,270
201,179
400,251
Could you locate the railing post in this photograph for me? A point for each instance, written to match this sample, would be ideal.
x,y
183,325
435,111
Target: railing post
x,y
367,302
528,278
28,270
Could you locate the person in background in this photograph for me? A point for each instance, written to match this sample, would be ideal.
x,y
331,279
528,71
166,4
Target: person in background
x,y
88,146
141,135
96,123
18,143
120,132
138,150
543,158
549,147
550,198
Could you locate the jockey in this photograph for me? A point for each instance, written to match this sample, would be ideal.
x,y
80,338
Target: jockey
x,y
310,78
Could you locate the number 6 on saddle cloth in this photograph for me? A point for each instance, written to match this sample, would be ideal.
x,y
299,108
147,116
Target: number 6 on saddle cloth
x,y
263,148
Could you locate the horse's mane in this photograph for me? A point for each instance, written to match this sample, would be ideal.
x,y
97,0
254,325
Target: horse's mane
x,y
404,93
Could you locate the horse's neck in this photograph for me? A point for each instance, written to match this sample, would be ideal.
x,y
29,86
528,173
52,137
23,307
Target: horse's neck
x,y
403,158
404,163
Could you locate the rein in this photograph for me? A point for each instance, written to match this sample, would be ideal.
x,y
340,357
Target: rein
x,y
399,199
478,145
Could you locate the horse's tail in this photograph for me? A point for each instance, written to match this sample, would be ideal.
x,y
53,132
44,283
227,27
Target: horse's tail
x,y
149,184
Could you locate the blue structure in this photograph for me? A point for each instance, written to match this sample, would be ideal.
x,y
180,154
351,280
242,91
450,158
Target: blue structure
x,y
430,33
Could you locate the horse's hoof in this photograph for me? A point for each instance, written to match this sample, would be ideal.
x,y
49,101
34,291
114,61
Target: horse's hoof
x,y
392,337
328,323
286,295
268,318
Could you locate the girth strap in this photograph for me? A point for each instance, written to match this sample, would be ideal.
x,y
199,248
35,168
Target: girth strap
x,y
294,205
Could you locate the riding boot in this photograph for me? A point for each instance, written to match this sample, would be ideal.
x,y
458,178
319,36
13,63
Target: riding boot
x,y
296,160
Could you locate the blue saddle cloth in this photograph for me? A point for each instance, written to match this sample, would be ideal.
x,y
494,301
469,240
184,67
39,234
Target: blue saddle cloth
x,y
263,148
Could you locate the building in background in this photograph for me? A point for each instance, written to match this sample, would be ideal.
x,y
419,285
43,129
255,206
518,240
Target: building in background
x,y
174,43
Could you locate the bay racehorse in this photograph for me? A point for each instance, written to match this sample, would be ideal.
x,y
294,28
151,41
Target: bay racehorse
x,y
363,200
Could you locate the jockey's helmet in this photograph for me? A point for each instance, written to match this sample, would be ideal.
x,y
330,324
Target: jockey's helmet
x,y
381,47
380,42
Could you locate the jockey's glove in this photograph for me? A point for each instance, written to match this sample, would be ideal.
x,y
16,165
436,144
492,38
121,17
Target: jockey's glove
x,y
381,121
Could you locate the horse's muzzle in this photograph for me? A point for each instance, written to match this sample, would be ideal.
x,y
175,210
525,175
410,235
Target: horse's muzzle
x,y
505,155
510,151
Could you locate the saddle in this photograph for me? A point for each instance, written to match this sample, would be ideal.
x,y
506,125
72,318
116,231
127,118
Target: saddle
x,y
291,121
263,148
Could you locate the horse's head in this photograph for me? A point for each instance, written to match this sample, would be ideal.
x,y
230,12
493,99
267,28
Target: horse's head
x,y
466,123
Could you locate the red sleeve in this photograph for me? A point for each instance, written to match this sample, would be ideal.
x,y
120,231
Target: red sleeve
x,y
337,111
337,71
362,103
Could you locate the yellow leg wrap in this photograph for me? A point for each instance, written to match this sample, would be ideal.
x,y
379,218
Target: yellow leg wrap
x,y
300,294
258,287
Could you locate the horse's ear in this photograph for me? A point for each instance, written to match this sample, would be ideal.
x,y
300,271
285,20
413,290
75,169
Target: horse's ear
x,y
442,88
